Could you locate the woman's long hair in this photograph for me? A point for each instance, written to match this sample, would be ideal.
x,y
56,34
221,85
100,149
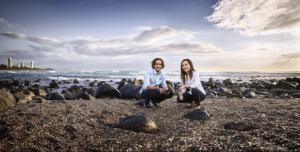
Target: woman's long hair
x,y
182,73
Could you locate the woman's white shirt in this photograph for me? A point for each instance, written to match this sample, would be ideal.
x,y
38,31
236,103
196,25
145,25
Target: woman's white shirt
x,y
194,83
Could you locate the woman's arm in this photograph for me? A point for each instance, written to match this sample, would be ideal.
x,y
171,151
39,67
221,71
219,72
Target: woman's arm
x,y
196,80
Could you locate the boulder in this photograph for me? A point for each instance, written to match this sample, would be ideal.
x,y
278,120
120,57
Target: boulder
x,y
56,96
53,85
139,123
107,90
16,83
28,83
20,95
239,126
289,79
76,88
100,83
250,95
121,84
64,91
69,96
295,95
124,80
36,86
295,79
71,90
284,85
91,91
22,102
131,91
76,81
137,82
198,114
211,83
84,95
228,82
7,100
219,85
38,92
39,80
169,83
221,91
92,84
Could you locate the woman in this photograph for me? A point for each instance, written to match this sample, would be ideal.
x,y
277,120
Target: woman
x,y
191,90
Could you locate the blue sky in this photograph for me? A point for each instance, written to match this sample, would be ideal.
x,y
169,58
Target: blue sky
x,y
226,35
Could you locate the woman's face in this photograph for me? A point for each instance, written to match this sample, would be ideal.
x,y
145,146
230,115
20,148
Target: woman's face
x,y
185,66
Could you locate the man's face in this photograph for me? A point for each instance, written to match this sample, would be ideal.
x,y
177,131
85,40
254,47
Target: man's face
x,y
158,65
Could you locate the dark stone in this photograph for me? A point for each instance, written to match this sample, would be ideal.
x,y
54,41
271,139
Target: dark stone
x,y
53,81
36,86
76,81
56,96
284,85
246,91
228,82
28,83
91,91
64,91
121,84
69,96
139,123
211,83
221,91
250,95
137,82
239,126
16,83
61,82
289,79
107,90
198,114
269,95
219,85
100,83
131,91
39,80
53,85
124,80
260,86
76,88
37,91
7,100
71,90
84,95
295,79
269,86
130,81
92,84
295,95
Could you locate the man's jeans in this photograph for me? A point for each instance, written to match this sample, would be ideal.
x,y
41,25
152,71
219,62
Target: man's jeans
x,y
155,96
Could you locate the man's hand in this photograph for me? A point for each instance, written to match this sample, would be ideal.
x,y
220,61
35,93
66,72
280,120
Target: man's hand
x,y
166,92
181,97
162,91
182,87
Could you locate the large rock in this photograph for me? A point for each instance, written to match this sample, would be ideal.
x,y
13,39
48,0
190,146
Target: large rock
x,y
69,96
38,92
239,126
100,83
107,90
64,91
131,91
121,84
7,100
228,82
36,86
16,83
84,95
76,88
76,81
284,85
295,79
56,96
20,95
221,91
198,114
138,82
250,95
139,123
91,91
53,85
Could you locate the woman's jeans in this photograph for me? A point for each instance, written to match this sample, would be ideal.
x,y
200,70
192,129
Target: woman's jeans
x,y
155,96
196,96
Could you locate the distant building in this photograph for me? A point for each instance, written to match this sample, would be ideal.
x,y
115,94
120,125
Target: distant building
x,y
22,64
31,63
9,62
18,65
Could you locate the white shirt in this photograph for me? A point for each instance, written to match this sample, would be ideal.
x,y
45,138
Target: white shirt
x,y
194,83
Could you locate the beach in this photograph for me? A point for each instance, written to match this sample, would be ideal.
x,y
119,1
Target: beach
x,y
80,125
81,114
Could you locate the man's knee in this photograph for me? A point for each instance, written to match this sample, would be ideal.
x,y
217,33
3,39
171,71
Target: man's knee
x,y
148,93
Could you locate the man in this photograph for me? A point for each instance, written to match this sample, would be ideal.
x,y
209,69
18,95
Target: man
x,y
150,90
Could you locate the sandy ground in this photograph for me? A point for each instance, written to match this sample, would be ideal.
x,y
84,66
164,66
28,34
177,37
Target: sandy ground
x,y
80,125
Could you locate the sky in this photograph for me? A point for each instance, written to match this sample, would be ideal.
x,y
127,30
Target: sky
x,y
126,35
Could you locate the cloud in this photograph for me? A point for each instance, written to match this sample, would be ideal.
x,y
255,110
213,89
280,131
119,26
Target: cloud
x,y
258,17
293,55
152,41
260,49
4,23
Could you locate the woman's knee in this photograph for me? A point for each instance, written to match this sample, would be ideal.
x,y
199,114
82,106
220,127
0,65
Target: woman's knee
x,y
178,100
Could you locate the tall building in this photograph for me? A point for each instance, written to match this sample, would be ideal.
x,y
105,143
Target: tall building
x,y
9,62
18,65
22,64
31,63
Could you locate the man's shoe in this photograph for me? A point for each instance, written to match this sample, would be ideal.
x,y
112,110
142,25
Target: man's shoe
x,y
146,106
154,103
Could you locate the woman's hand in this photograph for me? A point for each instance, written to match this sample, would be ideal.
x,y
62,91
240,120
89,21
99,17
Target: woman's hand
x,y
182,87
181,97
